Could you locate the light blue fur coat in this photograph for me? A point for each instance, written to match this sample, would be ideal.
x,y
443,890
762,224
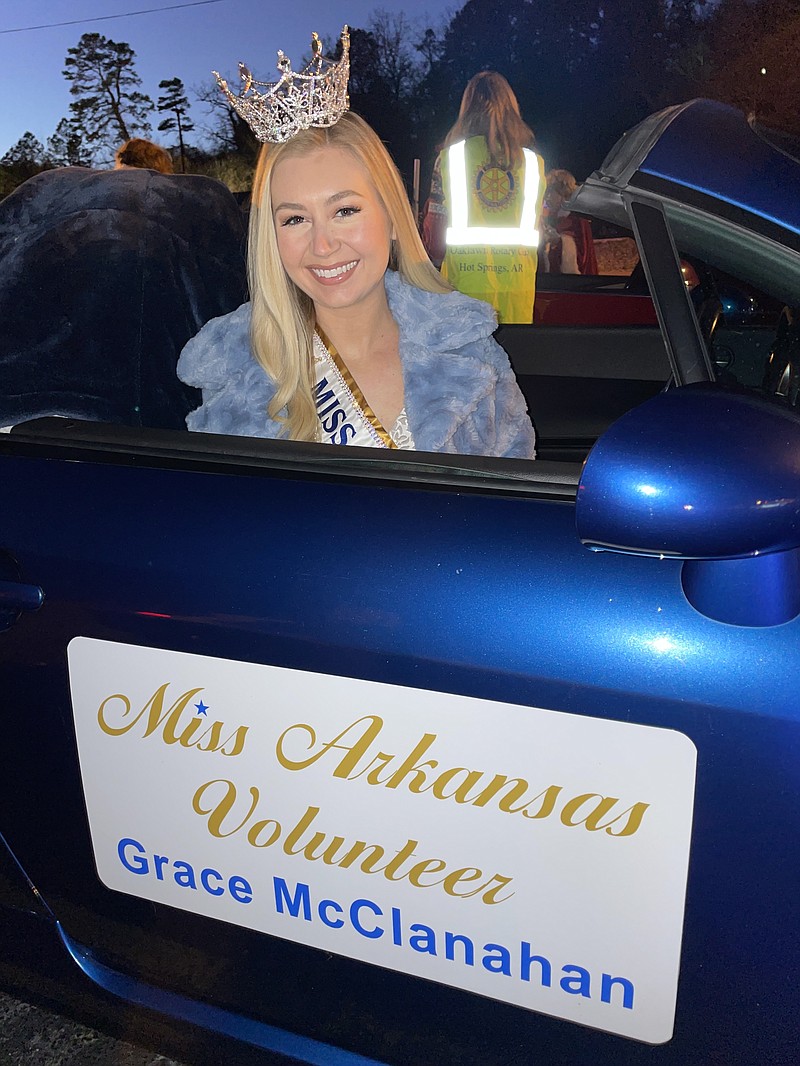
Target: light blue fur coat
x,y
460,392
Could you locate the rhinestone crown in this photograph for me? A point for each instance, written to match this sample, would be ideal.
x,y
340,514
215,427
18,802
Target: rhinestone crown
x,y
314,96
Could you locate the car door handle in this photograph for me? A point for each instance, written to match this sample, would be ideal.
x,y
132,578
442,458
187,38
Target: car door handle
x,y
16,596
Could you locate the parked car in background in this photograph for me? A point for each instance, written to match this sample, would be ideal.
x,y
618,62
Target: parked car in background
x,y
333,755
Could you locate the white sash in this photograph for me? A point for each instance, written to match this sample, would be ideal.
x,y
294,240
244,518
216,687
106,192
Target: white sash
x,y
344,415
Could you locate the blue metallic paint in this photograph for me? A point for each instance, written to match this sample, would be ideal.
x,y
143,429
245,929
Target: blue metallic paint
x,y
698,472
760,591
206,1016
498,600
710,147
710,476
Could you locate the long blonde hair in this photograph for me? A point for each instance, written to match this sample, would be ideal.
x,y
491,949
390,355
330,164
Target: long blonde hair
x,y
282,320
490,109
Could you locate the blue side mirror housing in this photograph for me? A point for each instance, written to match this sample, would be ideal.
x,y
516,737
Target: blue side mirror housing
x,y
711,476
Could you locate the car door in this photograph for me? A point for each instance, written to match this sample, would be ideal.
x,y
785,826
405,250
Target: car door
x,y
418,656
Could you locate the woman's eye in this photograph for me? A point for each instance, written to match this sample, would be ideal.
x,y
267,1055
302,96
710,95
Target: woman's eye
x,y
348,212
292,220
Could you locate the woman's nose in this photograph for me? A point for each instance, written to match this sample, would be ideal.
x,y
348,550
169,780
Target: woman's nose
x,y
323,241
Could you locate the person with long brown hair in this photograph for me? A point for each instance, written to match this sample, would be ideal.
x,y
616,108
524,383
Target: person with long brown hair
x,y
481,220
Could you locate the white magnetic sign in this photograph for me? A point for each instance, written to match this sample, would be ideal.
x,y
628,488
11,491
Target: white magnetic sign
x,y
529,855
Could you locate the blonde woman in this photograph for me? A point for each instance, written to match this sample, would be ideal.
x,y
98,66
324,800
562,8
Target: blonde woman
x,y
351,336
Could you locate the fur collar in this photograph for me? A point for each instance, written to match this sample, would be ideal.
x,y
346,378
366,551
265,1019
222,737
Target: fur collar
x,y
451,368
442,343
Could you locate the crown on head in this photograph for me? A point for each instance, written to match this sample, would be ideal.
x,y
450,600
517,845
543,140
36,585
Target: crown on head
x,y
314,96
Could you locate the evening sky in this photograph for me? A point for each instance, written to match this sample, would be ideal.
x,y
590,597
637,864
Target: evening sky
x,y
169,42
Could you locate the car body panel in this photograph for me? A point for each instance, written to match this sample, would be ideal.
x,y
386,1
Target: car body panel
x,y
244,587
755,177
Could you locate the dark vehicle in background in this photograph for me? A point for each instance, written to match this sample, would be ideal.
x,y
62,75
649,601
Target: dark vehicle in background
x,y
325,755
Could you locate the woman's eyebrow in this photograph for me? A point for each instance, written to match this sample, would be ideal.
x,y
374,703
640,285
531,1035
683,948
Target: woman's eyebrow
x,y
345,194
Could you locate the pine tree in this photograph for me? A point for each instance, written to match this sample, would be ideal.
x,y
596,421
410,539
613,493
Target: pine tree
x,y
28,151
108,107
22,161
174,100
65,148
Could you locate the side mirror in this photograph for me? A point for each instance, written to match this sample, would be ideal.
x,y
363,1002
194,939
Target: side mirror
x,y
710,476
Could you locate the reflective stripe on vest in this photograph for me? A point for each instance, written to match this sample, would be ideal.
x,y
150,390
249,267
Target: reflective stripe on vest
x,y
460,232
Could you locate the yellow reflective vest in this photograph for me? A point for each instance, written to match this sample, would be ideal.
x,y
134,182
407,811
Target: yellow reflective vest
x,y
492,227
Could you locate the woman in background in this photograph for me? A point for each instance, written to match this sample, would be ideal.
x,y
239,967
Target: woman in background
x,y
481,220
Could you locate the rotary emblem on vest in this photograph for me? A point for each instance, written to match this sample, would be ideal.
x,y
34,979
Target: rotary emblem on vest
x,y
494,186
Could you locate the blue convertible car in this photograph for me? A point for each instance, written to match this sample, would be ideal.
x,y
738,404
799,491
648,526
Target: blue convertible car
x,y
331,755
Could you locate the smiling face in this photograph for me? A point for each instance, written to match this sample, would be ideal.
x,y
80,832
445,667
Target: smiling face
x,y
333,232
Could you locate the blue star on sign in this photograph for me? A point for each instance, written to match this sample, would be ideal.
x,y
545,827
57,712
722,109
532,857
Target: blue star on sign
x,y
201,707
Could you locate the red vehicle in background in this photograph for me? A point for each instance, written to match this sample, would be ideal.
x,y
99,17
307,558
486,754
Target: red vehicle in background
x,y
616,296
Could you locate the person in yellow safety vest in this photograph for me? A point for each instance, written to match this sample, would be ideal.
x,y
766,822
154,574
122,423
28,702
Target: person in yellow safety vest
x,y
487,190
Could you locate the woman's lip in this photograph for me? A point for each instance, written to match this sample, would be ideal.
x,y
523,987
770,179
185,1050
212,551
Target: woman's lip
x,y
340,272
